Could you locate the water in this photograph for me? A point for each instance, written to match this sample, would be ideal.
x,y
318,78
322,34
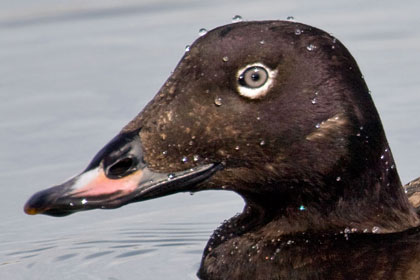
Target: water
x,y
73,73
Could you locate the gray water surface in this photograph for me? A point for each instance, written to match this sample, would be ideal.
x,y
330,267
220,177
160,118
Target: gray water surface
x,y
72,73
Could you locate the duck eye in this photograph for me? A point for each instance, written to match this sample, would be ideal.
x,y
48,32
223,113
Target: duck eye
x,y
253,77
255,80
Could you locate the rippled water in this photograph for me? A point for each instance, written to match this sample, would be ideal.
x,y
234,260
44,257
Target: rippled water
x,y
73,73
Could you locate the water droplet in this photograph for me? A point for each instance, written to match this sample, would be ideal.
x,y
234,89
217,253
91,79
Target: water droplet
x,y
334,40
237,18
202,32
347,230
237,148
258,118
310,47
196,157
262,143
386,150
164,153
358,134
338,179
314,101
191,143
71,204
382,156
184,159
262,42
218,101
84,201
171,176
302,208
290,18
187,48
289,242
392,166
225,59
375,229
298,31
318,125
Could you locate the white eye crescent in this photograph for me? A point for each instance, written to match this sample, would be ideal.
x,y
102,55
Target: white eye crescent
x,y
254,80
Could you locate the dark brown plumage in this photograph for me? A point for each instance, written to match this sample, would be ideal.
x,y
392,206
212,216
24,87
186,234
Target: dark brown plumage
x,y
305,148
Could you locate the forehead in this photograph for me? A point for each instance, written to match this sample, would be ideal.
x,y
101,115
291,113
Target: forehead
x,y
251,35
240,44
250,42
255,31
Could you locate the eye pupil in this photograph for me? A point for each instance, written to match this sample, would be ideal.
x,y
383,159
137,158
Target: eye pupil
x,y
255,76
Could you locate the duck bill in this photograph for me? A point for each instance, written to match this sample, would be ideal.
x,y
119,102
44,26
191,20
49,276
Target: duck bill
x,y
116,176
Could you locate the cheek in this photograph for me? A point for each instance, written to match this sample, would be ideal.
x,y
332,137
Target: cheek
x,y
198,128
177,143
161,153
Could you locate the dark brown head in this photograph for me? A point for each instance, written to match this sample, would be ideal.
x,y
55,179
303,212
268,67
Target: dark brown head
x,y
275,111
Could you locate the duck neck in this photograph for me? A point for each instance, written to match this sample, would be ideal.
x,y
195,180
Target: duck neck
x,y
380,207
371,202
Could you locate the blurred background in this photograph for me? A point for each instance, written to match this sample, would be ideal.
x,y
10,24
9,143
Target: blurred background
x,y
72,73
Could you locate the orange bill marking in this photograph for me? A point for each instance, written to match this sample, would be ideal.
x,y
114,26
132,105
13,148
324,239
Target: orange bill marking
x,y
95,183
31,211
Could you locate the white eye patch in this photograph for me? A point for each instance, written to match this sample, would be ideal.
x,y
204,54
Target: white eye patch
x,y
254,80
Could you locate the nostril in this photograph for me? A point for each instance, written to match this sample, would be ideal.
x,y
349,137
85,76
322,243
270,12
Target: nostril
x,y
120,168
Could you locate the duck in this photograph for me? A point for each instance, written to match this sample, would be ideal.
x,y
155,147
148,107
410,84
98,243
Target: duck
x,y
279,113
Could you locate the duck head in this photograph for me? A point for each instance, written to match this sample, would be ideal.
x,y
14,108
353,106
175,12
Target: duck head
x,y
275,111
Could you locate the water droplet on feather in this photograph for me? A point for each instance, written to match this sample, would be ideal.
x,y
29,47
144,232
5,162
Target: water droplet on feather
x,y
218,101
237,18
202,32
